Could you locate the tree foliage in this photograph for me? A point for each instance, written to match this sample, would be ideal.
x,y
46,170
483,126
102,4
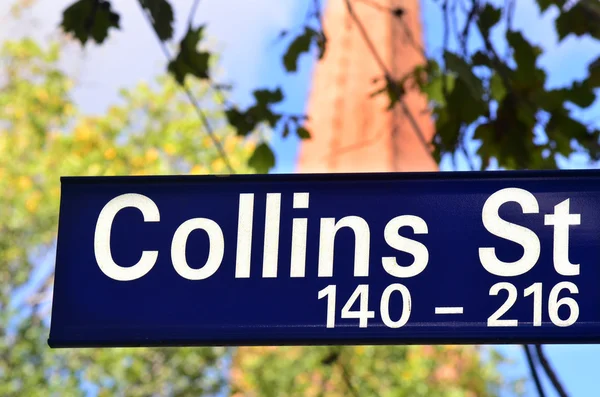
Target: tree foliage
x,y
506,101
502,102
386,371
43,137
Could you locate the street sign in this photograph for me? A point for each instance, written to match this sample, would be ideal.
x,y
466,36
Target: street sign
x,y
398,258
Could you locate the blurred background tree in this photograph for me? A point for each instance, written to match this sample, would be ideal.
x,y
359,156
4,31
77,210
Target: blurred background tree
x,y
44,137
386,371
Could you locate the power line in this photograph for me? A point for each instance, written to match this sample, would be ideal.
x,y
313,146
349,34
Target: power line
x,y
533,369
550,372
389,80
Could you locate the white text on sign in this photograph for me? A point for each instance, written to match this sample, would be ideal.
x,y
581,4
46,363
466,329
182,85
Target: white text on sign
x,y
561,220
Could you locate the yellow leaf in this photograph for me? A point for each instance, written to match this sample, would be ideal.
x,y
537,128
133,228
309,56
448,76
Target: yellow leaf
x,y
151,155
82,132
41,94
170,149
235,162
19,113
230,144
69,109
249,148
24,182
94,169
110,153
137,161
198,169
32,202
218,165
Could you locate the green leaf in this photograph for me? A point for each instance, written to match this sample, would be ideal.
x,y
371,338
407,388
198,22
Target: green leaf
x,y
594,71
488,149
430,81
497,88
286,130
581,19
447,132
263,159
525,54
240,121
528,76
435,88
488,17
87,19
161,14
394,91
484,132
581,94
190,60
562,128
551,100
526,115
264,97
481,59
271,117
300,45
460,66
463,105
544,4
302,133
261,111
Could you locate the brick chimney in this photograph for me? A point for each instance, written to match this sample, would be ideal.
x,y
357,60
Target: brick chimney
x,y
352,132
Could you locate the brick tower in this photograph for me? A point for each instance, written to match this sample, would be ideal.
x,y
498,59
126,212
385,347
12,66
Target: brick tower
x,y
352,132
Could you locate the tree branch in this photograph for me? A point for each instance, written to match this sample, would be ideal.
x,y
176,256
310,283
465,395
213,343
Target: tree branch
x,y
467,27
347,380
446,34
375,5
411,38
510,13
550,372
533,369
191,98
445,40
193,12
494,54
317,5
398,92
398,13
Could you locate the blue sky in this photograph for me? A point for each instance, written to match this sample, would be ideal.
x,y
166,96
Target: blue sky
x,y
244,32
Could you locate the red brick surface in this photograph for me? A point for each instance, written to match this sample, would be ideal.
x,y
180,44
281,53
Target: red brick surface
x,y
352,132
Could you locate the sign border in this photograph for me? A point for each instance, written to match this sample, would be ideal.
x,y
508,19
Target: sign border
x,y
516,175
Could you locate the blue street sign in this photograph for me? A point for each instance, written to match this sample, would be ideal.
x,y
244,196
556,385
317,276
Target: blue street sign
x,y
427,258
